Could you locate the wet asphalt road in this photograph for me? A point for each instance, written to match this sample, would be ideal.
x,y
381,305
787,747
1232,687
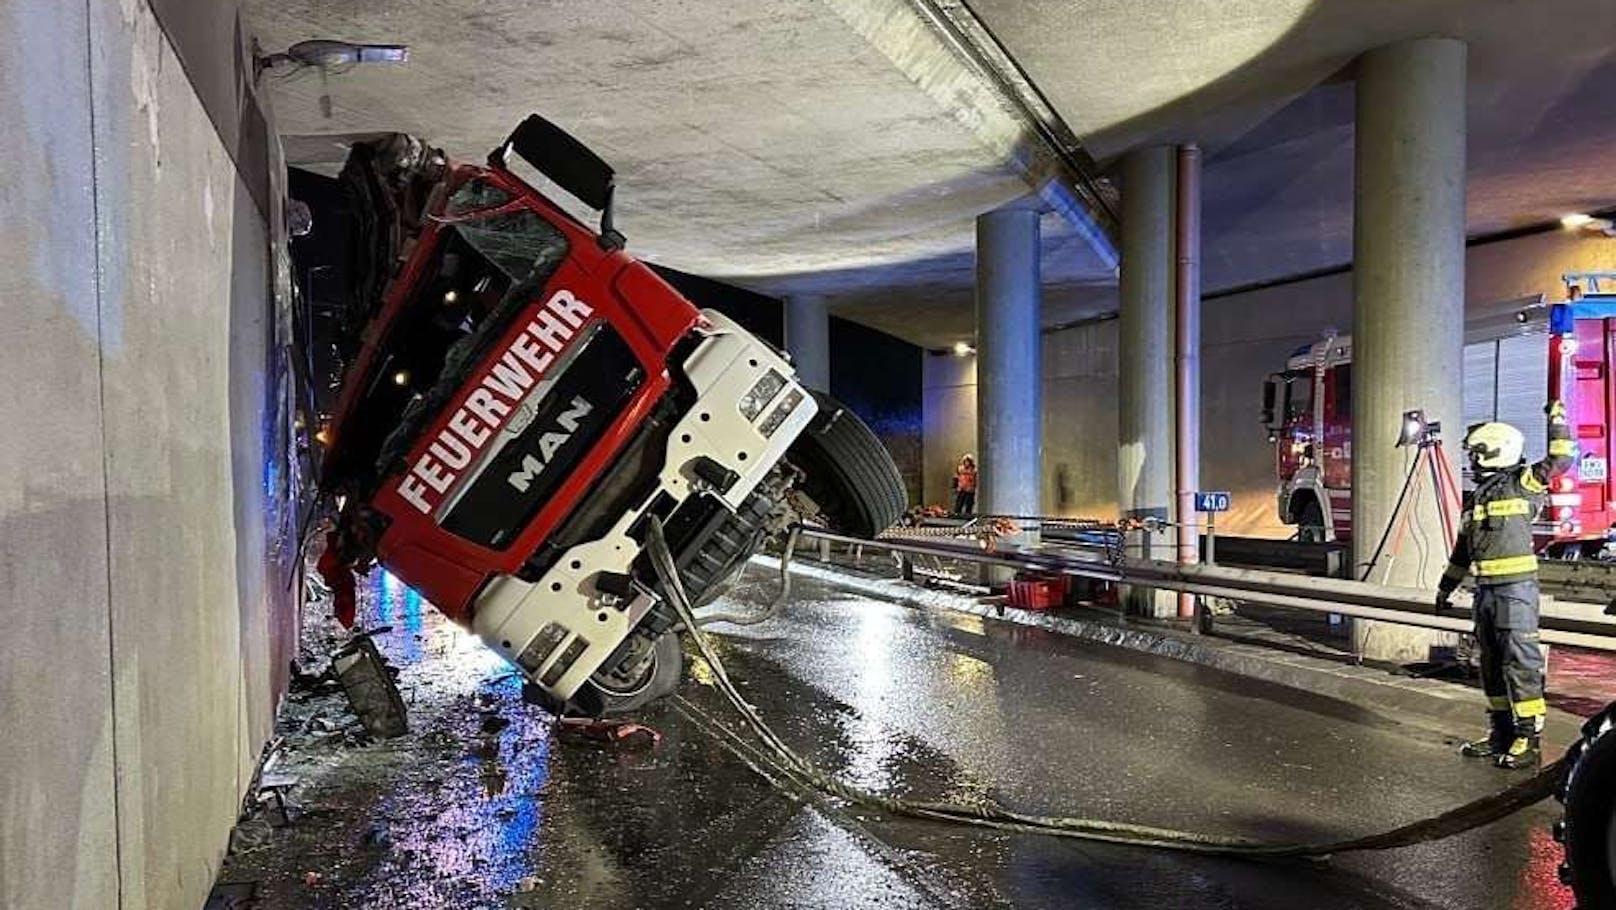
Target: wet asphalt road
x,y
465,812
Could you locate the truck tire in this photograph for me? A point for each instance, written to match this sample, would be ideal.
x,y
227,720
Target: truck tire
x,y
1589,828
848,476
609,693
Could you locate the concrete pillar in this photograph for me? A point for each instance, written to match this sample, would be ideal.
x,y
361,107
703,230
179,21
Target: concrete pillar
x,y
808,340
1187,359
1145,406
1009,380
1408,303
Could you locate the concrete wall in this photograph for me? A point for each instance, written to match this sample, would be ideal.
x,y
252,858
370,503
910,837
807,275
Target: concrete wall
x,y
1245,337
142,555
878,377
948,421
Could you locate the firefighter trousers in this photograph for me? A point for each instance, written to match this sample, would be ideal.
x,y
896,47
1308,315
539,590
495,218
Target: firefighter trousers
x,y
1512,663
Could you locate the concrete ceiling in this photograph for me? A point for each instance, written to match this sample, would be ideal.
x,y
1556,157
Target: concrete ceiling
x,y
751,140
836,147
1265,86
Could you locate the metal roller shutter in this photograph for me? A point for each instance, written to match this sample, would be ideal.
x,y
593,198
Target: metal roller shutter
x,y
1523,387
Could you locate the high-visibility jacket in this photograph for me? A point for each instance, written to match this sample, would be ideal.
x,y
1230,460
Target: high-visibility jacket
x,y
1495,533
965,480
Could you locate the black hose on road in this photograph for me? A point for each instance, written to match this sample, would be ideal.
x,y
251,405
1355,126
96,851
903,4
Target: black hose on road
x,y
773,609
1471,815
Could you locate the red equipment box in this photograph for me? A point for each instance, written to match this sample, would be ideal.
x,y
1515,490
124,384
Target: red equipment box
x,y
1039,592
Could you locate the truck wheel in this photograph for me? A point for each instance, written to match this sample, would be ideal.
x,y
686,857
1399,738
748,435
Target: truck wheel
x,y
848,476
1590,824
649,671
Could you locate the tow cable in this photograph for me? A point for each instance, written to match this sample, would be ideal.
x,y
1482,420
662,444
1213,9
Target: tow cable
x,y
1471,815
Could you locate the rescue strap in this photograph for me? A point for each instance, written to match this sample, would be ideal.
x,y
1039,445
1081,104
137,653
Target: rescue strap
x,y
789,764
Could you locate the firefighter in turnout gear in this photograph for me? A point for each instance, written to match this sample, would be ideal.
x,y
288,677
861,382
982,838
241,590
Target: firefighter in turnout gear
x,y
1495,545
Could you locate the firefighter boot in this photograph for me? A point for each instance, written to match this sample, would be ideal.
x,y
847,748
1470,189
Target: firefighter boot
x,y
1500,730
1525,746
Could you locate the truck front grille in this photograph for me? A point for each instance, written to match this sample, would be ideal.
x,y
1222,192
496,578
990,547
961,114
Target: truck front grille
x,y
530,465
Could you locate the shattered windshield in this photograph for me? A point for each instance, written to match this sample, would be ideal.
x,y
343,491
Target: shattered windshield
x,y
513,242
483,272
474,195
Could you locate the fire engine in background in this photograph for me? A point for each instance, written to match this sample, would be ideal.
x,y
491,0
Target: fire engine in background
x,y
1516,354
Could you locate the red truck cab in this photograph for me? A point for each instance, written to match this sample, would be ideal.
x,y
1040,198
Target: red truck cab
x,y
523,397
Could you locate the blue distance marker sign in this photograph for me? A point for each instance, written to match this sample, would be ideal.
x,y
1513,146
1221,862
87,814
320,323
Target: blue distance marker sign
x,y
1212,502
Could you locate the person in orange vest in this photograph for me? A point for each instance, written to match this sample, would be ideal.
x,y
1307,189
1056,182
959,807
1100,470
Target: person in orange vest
x,y
965,486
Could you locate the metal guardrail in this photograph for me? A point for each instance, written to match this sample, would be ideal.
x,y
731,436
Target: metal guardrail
x,y
1328,560
1590,580
1346,597
1584,581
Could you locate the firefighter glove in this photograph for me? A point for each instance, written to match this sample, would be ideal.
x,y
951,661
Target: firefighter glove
x,y
1444,600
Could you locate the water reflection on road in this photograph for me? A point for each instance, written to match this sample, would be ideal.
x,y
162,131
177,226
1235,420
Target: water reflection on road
x,y
480,806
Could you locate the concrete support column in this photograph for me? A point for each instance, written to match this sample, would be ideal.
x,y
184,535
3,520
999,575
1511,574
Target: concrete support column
x,y
1408,304
1187,356
1145,376
808,340
1009,379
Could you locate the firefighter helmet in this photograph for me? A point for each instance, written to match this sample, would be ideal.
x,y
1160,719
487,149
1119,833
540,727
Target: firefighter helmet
x,y
1494,445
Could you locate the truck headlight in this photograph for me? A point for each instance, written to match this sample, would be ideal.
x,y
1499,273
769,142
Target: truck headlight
x,y
779,414
761,393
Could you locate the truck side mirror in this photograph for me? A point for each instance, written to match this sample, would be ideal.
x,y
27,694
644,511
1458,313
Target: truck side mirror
x,y
559,156
1270,393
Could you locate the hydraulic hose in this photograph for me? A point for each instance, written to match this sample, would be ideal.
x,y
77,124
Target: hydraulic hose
x,y
1463,818
752,618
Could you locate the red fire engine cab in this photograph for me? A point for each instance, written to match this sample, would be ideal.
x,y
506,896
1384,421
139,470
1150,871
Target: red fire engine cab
x,y
522,401
1515,358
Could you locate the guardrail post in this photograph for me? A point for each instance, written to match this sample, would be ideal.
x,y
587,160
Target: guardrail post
x,y
1203,613
1203,616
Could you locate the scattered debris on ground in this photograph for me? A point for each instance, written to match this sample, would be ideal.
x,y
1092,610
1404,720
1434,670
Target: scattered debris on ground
x,y
610,731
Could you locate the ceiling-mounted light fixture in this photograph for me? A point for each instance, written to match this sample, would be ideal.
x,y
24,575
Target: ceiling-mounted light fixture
x,y
1581,221
963,349
326,56
330,56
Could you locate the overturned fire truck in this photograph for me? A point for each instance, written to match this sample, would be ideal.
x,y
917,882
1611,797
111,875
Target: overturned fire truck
x,y
520,398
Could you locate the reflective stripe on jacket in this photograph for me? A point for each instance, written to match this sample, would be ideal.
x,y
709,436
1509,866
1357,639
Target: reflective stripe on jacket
x,y
1495,533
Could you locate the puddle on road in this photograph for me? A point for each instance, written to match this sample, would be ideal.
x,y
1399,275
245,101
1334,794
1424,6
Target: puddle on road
x,y
479,806
446,815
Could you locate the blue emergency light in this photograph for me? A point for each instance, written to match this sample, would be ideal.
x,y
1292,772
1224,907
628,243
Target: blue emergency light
x,y
1563,316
